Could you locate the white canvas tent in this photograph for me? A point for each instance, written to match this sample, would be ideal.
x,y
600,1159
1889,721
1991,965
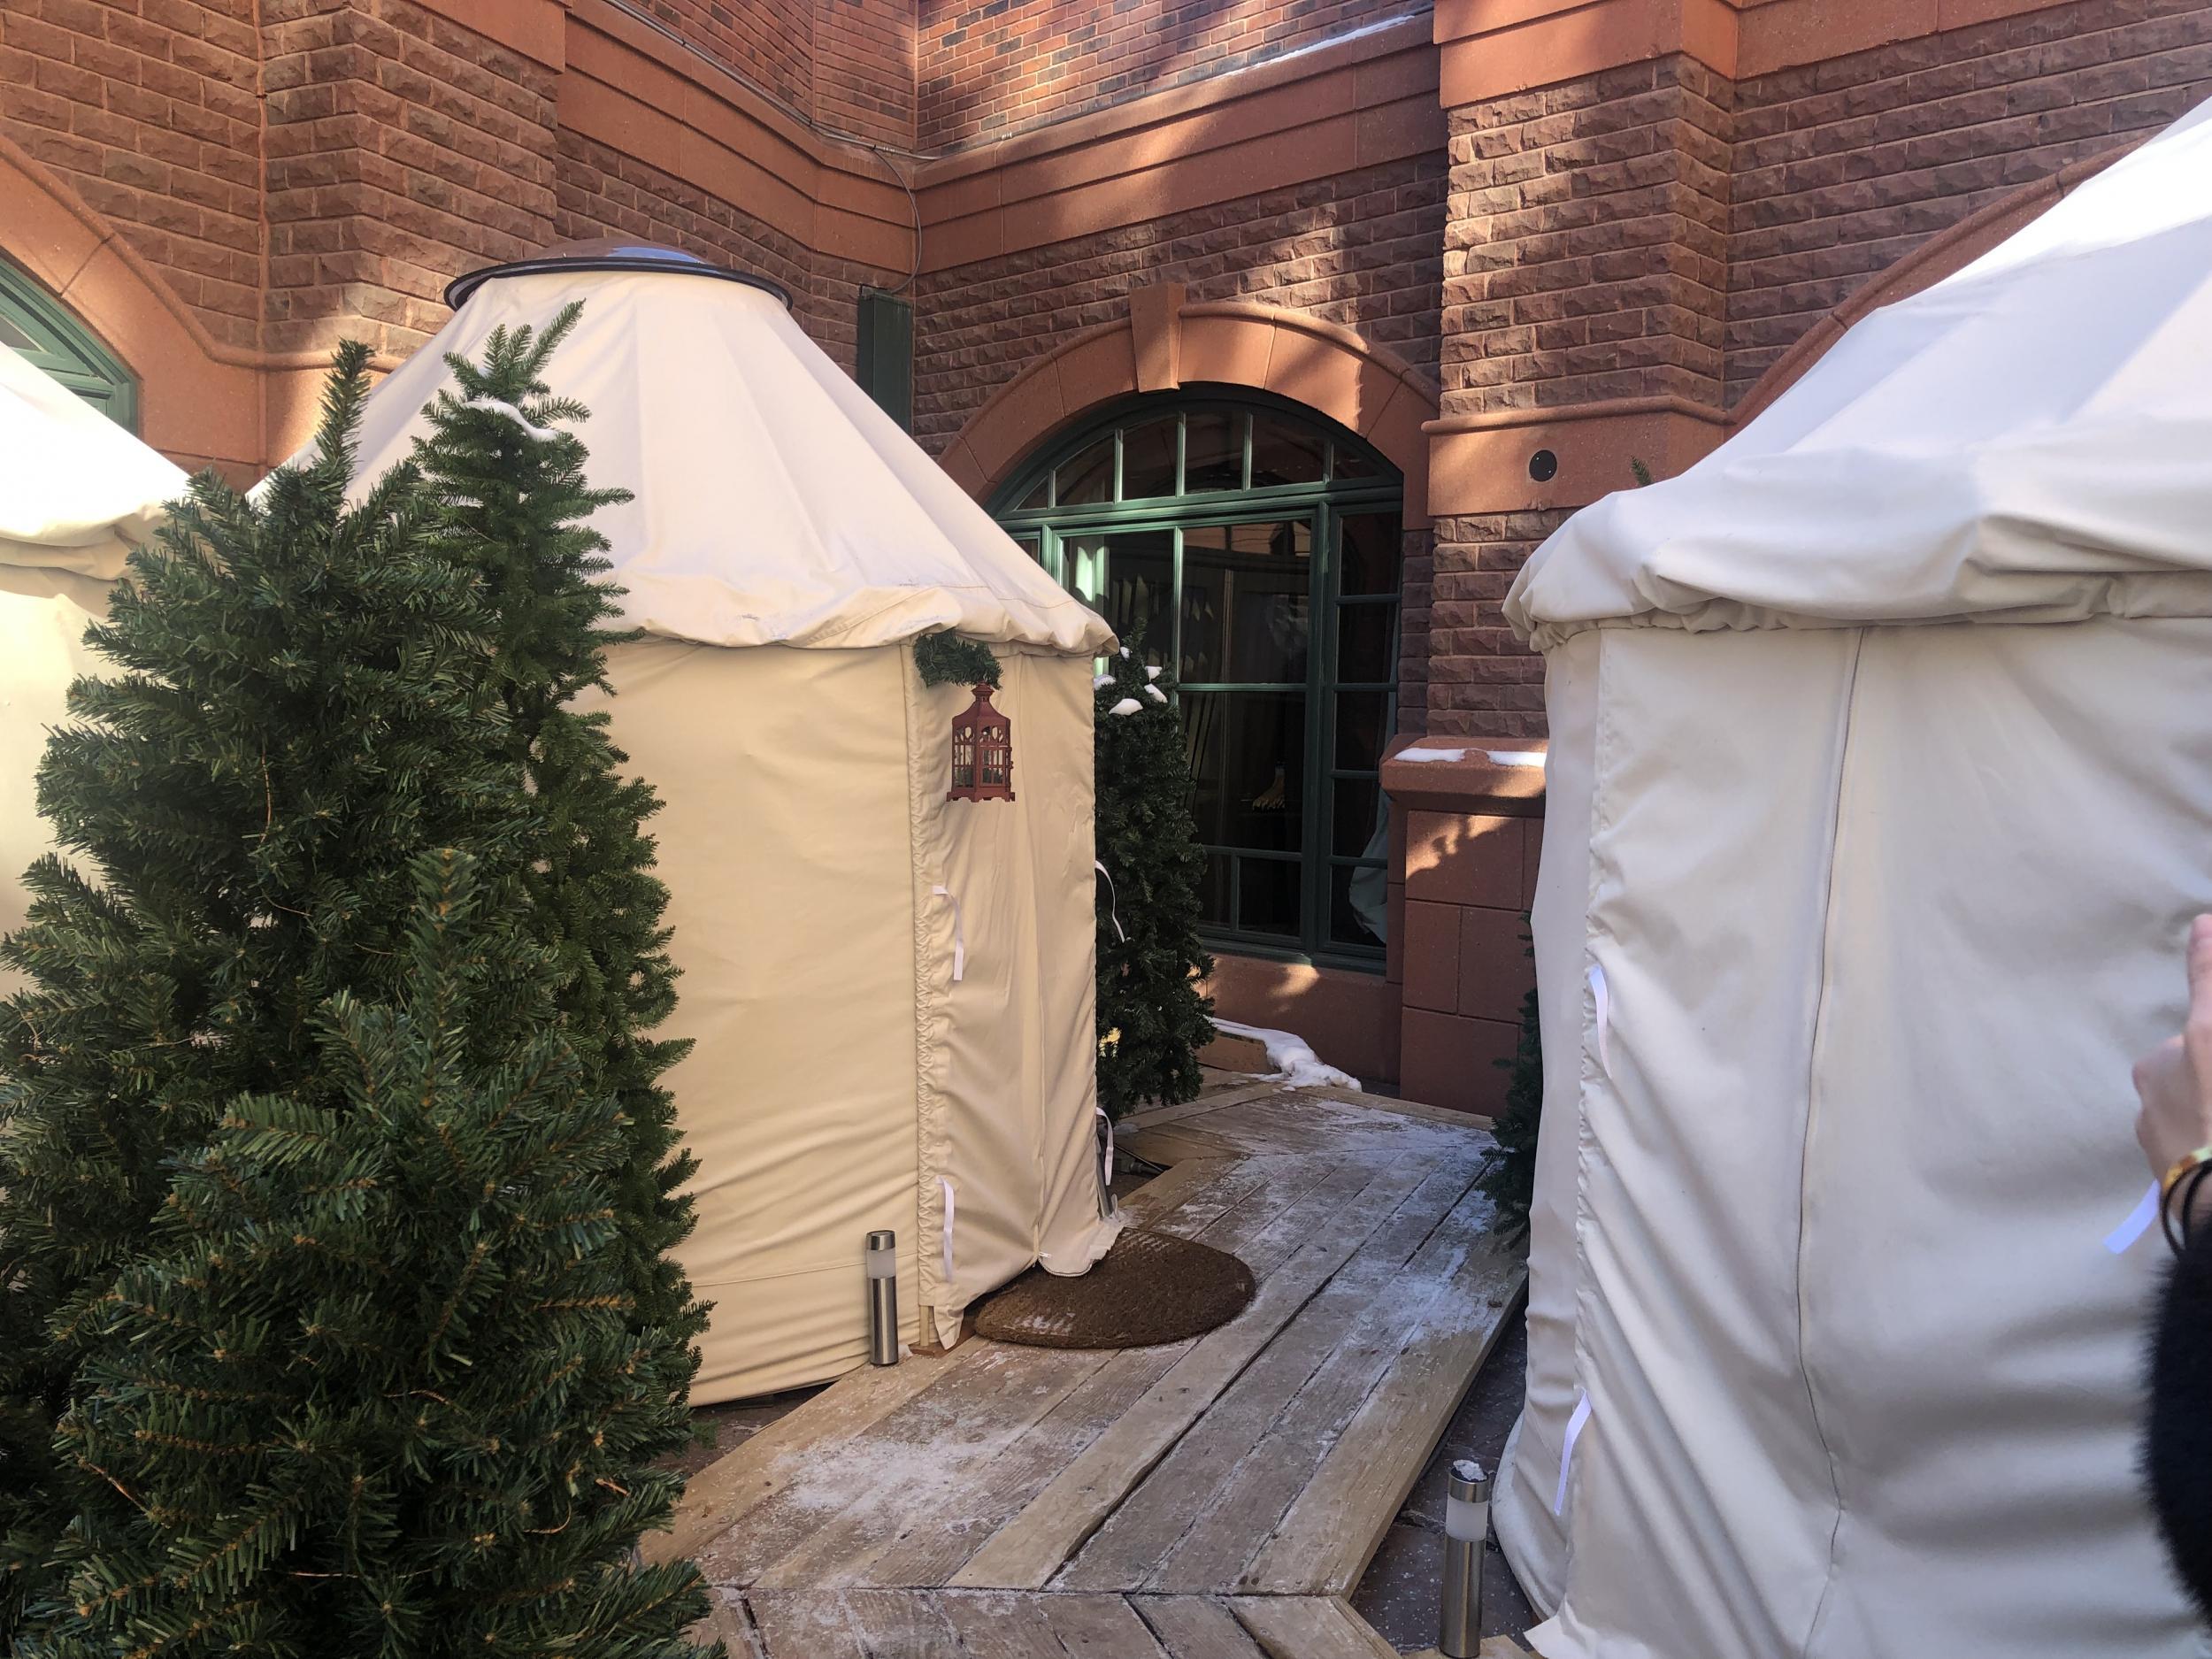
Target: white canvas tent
x,y
1879,796
891,993
76,493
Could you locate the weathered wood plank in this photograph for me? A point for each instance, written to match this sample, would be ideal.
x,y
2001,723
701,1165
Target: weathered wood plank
x,y
1447,1286
1164,1191
1297,1198
921,1440
1213,1101
723,1493
1006,1394
1027,1551
729,1625
1308,1627
1000,1625
1170,1144
1403,1107
1130,1543
1195,1627
1099,1627
1328,1536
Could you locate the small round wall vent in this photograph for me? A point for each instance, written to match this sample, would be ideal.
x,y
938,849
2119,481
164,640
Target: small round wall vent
x,y
1543,466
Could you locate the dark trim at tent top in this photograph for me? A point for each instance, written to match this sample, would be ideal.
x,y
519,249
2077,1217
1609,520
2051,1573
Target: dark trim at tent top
x,y
610,254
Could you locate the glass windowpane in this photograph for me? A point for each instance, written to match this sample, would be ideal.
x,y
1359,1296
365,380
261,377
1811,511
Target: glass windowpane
x,y
1213,894
1139,580
1267,895
1038,498
1360,830
1363,721
1359,907
1148,459
1370,559
1367,643
1284,454
1351,462
1245,611
1248,760
1213,452
1089,477
13,336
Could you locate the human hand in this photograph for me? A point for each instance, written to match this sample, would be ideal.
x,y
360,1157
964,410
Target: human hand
x,y
2174,1080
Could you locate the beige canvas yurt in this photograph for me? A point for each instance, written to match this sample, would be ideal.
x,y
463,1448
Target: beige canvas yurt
x,y
1879,800
77,492
890,993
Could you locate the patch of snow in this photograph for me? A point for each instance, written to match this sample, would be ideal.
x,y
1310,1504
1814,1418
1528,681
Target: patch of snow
x,y
1124,651
1496,757
1127,705
1151,673
1155,693
499,406
1295,1063
1099,682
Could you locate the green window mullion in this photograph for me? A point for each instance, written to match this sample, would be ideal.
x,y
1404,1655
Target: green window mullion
x,y
1175,593
1314,834
1182,487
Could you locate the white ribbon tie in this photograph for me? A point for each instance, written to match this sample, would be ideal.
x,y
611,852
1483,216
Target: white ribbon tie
x,y
1603,1017
948,1210
1575,1426
959,939
1110,902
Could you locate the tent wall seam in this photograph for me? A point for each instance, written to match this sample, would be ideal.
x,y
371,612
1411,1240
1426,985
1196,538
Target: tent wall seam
x,y
1804,1153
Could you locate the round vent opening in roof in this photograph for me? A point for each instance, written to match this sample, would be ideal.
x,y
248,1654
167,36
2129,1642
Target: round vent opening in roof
x,y
609,253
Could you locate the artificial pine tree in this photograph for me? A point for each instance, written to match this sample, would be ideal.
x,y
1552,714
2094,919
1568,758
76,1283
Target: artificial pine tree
x,y
1152,1019
302,705
376,1390
516,510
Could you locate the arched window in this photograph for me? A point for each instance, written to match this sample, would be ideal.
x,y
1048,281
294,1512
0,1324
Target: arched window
x,y
35,323
1257,545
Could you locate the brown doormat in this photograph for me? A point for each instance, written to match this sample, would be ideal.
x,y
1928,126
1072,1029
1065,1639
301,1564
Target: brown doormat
x,y
1151,1288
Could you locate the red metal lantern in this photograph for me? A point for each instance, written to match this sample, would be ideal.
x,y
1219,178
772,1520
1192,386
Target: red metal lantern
x,y
982,752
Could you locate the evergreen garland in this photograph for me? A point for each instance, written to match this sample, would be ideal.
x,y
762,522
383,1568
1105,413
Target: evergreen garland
x,y
1152,1019
1512,1180
953,659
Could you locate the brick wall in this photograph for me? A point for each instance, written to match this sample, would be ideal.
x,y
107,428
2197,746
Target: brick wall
x,y
402,151
768,41
1840,169
1587,253
864,69
1361,249
602,192
150,113
991,67
1480,682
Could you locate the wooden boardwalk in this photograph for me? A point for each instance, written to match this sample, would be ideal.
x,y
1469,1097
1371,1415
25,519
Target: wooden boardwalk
x,y
1213,1499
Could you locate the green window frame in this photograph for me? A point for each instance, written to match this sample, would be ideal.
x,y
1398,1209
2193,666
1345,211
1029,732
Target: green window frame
x,y
1263,541
42,329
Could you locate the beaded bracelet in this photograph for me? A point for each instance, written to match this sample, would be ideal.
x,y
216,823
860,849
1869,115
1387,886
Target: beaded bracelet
x,y
2183,1181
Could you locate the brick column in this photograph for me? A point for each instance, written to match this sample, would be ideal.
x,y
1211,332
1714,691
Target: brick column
x,y
1473,825
401,148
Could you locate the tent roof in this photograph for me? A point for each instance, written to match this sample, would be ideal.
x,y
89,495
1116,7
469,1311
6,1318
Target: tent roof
x,y
77,492
2029,440
775,502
